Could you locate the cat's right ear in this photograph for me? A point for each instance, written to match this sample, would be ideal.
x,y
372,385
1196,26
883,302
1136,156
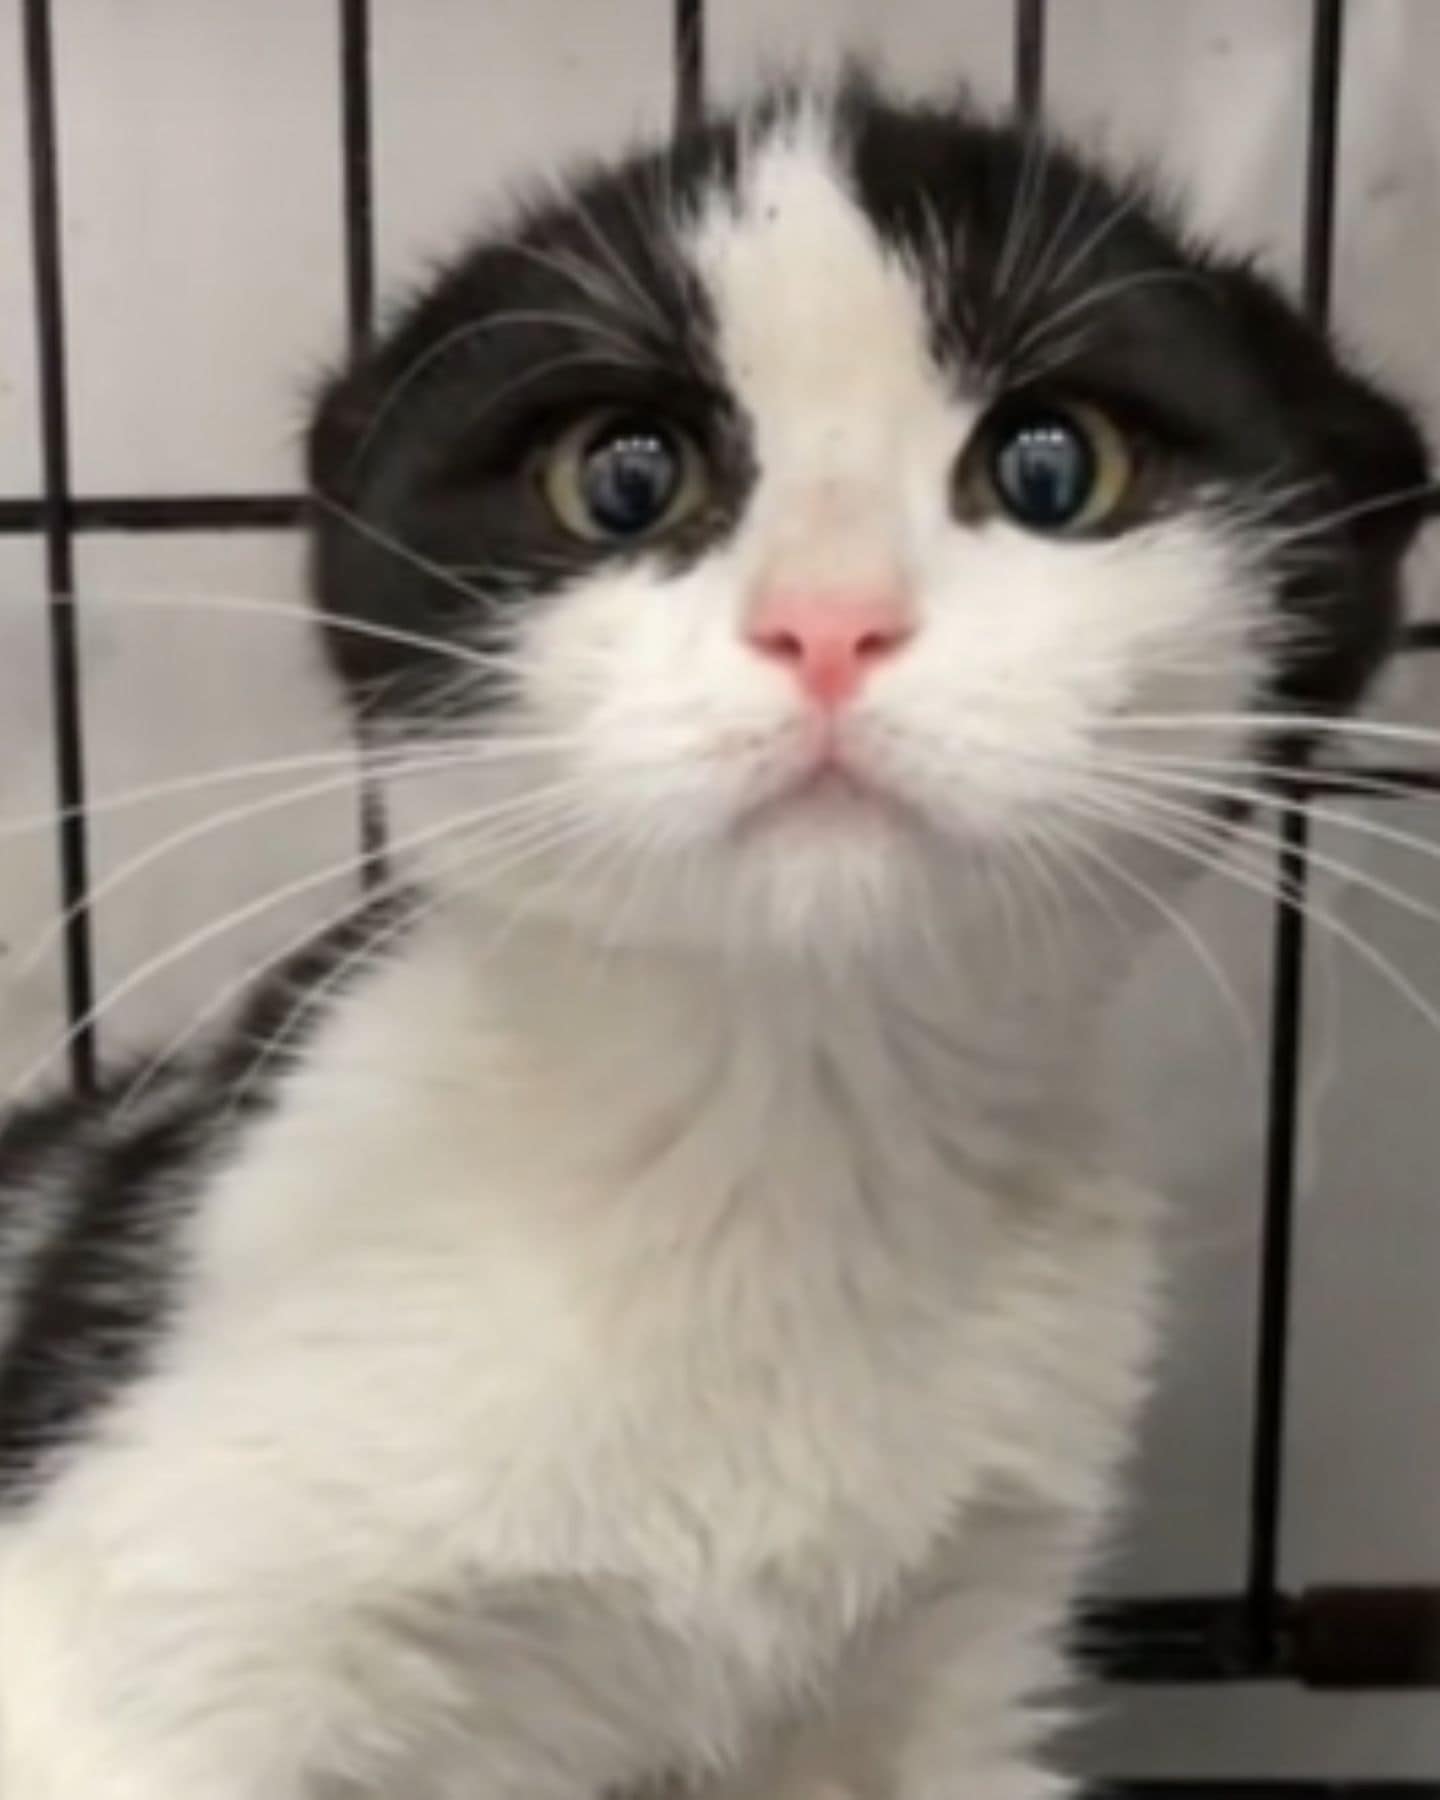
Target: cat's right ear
x,y
1365,443
1372,490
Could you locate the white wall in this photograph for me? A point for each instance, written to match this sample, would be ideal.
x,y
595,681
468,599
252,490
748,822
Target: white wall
x,y
200,147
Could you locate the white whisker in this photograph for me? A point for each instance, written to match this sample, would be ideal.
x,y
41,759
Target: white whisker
x,y
241,915
1102,294
228,991
368,950
1360,509
1124,818
645,304
1139,792
622,351
1144,775
384,540
610,358
297,612
1189,934
250,810
371,760
1300,724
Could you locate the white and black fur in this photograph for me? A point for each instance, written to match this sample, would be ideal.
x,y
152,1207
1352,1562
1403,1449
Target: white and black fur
x,y
657,1304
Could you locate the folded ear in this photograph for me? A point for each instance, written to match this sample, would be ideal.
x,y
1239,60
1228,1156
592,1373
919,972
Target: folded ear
x,y
1373,491
1366,444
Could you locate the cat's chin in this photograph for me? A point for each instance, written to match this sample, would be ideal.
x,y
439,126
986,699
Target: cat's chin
x,y
829,879
831,803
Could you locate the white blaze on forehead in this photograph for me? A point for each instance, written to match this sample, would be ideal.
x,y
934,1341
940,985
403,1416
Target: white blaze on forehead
x,y
824,341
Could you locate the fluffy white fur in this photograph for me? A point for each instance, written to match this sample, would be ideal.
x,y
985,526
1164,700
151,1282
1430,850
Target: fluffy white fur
x,y
678,1318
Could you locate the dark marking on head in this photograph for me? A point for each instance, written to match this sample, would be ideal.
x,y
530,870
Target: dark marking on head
x,y
1042,275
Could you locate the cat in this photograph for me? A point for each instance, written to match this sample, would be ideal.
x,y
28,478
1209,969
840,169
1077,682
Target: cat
x,y
655,1301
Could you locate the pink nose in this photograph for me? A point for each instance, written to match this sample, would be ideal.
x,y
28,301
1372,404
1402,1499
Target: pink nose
x,y
831,639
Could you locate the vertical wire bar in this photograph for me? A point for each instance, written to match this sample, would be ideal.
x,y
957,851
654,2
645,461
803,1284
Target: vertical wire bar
x,y
1327,55
1030,24
357,166
69,735
357,170
689,49
1264,1603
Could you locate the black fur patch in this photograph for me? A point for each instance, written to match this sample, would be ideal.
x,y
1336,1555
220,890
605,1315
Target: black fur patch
x,y
95,1295
34,1138
118,1185
427,516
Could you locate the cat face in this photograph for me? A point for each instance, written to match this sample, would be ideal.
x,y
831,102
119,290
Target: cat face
x,y
784,536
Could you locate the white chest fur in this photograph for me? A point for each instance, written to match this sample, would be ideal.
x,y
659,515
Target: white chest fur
x,y
577,1325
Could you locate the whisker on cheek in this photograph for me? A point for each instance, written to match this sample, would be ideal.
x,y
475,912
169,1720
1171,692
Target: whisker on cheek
x,y
376,760
416,904
1295,724
263,609
1142,784
1197,846
351,865
1110,868
229,818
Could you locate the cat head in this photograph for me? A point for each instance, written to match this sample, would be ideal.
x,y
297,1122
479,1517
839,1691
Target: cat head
x,y
787,535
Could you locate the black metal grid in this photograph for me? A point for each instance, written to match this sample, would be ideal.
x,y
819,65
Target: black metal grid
x,y
1356,1639
1287,1004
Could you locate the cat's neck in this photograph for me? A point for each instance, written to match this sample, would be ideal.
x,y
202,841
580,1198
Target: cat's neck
x,y
998,1056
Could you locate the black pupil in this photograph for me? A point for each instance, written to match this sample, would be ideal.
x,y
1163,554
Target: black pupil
x,y
1044,470
630,478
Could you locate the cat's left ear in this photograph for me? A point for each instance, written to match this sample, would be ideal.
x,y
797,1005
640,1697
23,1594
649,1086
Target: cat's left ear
x,y
1374,490
1366,444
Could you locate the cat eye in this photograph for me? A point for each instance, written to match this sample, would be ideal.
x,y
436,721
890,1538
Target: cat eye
x,y
621,478
1059,469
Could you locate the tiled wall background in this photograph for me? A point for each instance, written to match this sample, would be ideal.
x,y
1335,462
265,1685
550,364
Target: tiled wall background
x,y
202,238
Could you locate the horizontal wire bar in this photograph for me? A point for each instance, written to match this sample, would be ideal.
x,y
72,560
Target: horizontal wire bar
x,y
160,512
1351,1639
1364,783
241,512
24,514
268,512
1268,1790
1184,1641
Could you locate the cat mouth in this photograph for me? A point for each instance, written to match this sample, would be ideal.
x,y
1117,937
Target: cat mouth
x,y
829,791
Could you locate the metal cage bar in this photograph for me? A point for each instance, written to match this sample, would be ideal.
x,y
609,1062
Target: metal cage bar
x,y
1271,1790
357,170
55,520
1287,1013
689,57
1030,22
357,166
